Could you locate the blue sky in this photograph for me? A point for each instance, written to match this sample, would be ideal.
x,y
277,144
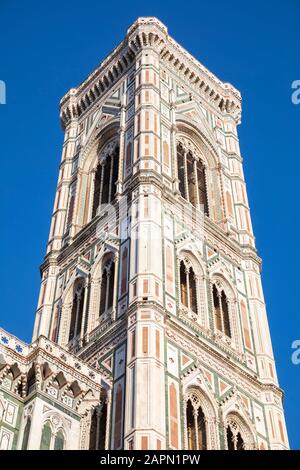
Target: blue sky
x,y
49,47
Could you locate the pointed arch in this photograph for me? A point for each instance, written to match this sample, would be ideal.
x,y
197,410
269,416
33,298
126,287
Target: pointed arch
x,y
239,433
26,434
99,165
203,174
59,440
107,285
200,417
192,286
67,301
103,287
225,311
46,436
77,309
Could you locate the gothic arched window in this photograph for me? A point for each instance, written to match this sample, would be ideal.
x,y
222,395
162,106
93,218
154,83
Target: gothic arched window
x,y
196,425
107,286
234,439
191,429
26,434
56,323
192,178
188,290
98,427
181,171
97,188
102,425
77,309
93,431
221,311
46,437
106,177
201,430
59,441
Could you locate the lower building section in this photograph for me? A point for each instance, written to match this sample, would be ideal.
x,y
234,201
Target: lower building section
x,y
49,399
144,385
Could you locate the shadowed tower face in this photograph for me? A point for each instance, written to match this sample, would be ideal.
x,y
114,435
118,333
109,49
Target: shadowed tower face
x,y
151,273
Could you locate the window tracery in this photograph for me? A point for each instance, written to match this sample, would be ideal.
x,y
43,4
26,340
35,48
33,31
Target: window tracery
x,y
196,426
192,177
106,176
188,286
237,434
77,309
107,286
221,310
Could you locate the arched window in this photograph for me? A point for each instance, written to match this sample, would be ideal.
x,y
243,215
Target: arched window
x,y
181,171
26,434
107,286
191,430
59,441
97,187
201,430
56,323
234,438
201,179
98,427
46,437
221,311
230,441
188,288
93,431
183,284
192,178
238,433
106,177
77,309
102,425
196,426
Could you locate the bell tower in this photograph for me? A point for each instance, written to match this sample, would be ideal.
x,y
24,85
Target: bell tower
x,y
151,274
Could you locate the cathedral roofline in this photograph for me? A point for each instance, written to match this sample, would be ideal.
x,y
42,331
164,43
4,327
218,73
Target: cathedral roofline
x,y
41,350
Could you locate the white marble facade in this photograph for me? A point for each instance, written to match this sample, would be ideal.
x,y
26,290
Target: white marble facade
x,y
151,277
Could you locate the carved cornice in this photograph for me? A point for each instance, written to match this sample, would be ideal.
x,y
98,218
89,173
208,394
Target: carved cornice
x,y
149,32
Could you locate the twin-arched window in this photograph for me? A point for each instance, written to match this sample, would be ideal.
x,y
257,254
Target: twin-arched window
x,y
221,311
237,435
77,309
98,427
107,286
196,428
107,293
195,424
188,290
192,178
105,180
234,441
50,440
